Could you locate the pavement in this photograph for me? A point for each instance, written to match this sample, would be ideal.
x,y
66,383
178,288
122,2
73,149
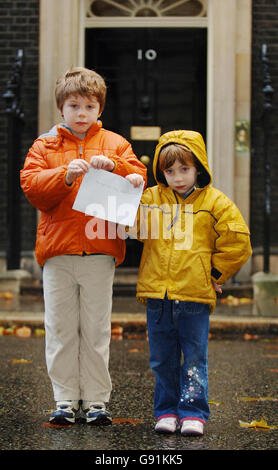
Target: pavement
x,y
233,314
242,384
242,389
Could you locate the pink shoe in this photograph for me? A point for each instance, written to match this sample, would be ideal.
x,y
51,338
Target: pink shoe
x,y
192,427
167,425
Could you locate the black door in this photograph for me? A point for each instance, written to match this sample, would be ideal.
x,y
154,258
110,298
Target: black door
x,y
156,80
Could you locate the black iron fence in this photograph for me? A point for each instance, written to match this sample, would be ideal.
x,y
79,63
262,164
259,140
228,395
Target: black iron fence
x,y
267,129
15,118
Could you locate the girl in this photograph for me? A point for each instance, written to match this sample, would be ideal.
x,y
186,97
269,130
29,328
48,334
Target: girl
x,y
195,239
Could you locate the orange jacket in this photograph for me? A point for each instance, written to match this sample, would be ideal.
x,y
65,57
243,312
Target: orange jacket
x,y
61,230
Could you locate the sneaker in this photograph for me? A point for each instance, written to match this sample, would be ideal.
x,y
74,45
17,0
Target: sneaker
x,y
167,425
95,414
192,427
65,412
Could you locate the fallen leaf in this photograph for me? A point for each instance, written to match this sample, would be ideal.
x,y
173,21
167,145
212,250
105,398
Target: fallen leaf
x,y
48,412
6,295
257,399
269,340
249,337
245,300
23,332
57,426
126,420
117,337
134,350
216,403
21,361
231,300
273,370
39,332
117,332
133,336
10,330
262,424
272,346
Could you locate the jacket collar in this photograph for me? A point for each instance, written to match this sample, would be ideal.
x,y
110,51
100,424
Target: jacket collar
x,y
63,130
175,197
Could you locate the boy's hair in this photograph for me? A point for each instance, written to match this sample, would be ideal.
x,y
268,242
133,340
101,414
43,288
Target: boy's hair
x,y
81,81
172,152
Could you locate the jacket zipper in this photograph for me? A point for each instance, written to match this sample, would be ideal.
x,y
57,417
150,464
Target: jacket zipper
x,y
80,150
171,227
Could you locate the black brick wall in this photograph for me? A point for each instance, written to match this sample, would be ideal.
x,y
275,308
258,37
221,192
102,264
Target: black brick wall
x,y
19,29
265,30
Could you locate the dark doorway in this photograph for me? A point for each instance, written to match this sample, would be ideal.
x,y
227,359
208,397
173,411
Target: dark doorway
x,y
157,79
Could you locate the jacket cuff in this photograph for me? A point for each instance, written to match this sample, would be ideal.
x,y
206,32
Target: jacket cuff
x,y
69,186
215,273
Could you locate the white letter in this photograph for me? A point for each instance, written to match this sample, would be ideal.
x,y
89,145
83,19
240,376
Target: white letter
x,y
184,234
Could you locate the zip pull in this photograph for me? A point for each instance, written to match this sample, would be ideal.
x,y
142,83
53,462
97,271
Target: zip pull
x,y
80,149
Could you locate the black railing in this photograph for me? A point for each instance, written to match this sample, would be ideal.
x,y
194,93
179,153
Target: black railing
x,y
15,117
266,122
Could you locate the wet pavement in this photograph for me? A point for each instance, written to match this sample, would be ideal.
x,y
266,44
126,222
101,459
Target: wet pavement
x,y
243,373
242,382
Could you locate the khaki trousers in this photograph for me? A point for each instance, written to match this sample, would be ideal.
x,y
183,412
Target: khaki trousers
x,y
78,304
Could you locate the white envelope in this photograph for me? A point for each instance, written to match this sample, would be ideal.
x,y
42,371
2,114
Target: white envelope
x,y
108,196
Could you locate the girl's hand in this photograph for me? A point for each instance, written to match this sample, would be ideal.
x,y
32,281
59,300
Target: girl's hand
x,y
76,168
135,179
100,162
217,287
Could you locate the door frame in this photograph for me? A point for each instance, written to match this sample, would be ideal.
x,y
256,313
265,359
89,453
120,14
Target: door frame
x,y
229,26
149,22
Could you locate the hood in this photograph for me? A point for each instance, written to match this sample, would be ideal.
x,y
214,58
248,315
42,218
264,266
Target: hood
x,y
194,141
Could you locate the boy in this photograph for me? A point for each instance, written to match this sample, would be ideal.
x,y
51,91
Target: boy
x,y
78,270
194,240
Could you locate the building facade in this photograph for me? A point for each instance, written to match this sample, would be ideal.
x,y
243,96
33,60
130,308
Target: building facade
x,y
168,64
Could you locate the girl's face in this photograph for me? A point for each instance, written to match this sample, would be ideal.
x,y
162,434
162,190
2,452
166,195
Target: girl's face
x,y
80,112
181,177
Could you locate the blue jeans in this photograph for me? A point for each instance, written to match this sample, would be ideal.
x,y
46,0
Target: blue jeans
x,y
181,387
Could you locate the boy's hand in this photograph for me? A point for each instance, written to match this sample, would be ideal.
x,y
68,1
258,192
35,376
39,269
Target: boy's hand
x,y
135,179
76,168
100,162
217,287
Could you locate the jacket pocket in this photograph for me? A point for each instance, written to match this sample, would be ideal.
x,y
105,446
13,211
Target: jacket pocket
x,y
239,228
204,270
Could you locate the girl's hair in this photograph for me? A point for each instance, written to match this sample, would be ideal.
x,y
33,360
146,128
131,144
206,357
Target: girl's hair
x,y
80,81
172,152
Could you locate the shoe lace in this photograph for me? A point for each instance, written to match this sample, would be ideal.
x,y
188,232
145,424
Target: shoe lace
x,y
193,423
95,407
65,406
170,420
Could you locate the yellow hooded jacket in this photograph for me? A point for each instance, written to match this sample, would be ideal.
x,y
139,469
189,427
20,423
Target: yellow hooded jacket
x,y
188,241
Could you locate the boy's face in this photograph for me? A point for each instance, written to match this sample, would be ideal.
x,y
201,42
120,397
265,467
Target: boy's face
x,y
80,112
181,177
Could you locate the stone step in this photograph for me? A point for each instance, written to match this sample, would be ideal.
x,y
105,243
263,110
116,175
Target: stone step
x,y
124,287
